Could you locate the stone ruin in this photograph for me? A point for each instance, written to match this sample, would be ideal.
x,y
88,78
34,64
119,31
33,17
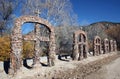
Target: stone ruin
x,y
16,42
106,46
97,46
80,45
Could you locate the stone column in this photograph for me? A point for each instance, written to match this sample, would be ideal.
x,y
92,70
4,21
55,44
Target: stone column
x,y
81,48
115,46
16,50
94,45
111,45
36,60
96,50
52,47
75,48
100,47
86,50
106,46
81,52
97,45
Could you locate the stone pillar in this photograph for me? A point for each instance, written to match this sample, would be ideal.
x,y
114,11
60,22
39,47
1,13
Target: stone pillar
x,y
106,46
16,50
111,45
100,48
94,46
36,60
97,45
114,46
51,55
86,50
80,47
75,48
82,52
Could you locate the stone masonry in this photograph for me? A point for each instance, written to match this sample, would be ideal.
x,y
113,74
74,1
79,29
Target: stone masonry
x,y
114,46
97,45
106,46
80,45
16,42
111,45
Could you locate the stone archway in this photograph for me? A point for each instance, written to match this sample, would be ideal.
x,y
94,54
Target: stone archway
x,y
80,45
106,46
16,42
97,45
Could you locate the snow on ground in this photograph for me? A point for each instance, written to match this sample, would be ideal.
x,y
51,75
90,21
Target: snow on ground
x,y
59,65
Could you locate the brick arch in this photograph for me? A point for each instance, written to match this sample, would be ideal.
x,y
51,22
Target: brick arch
x,y
80,45
97,45
16,41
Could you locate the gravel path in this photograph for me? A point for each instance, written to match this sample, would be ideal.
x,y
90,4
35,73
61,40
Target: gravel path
x,y
109,71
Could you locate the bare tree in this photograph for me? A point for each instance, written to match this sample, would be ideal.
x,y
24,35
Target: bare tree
x,y
7,8
57,12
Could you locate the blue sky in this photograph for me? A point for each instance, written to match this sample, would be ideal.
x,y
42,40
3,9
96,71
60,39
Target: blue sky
x,y
90,11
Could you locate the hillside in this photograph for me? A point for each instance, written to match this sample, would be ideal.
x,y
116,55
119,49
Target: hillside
x,y
99,28
103,29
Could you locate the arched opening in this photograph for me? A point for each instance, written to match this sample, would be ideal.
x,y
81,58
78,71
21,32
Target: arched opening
x,y
97,45
80,45
81,38
17,43
28,45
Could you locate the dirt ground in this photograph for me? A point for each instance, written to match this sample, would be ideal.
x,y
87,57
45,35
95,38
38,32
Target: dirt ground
x,y
109,71
71,69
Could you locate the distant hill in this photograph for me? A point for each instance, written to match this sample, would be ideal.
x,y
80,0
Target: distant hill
x,y
99,28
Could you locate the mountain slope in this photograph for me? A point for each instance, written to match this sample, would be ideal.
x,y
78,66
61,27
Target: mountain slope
x,y
99,28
